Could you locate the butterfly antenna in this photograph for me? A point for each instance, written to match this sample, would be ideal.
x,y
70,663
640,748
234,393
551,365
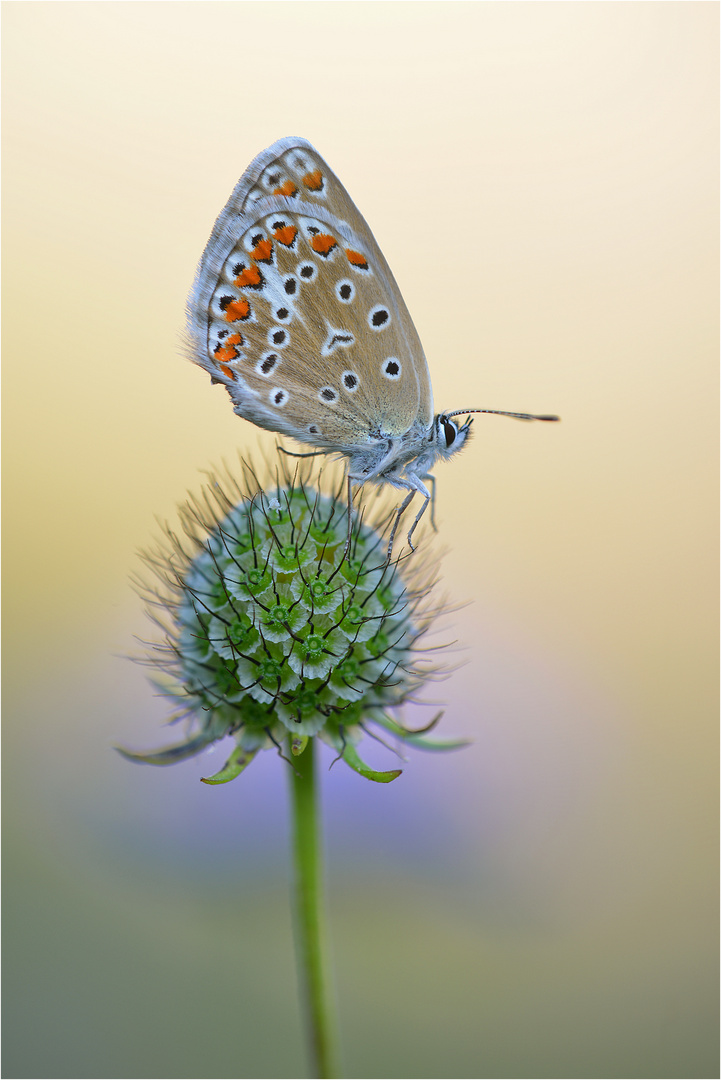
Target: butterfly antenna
x,y
499,412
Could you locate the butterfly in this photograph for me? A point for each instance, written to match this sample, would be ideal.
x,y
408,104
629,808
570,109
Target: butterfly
x,y
296,312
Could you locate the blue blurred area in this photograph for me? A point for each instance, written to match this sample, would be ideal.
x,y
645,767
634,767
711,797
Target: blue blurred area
x,y
475,932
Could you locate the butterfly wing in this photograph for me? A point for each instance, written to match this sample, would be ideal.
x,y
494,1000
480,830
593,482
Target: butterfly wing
x,y
296,311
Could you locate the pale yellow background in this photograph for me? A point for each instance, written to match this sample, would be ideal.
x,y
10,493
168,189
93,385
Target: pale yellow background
x,y
543,180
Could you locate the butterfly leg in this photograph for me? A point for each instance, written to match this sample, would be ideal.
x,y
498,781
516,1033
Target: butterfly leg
x,y
432,480
399,514
350,519
427,498
292,453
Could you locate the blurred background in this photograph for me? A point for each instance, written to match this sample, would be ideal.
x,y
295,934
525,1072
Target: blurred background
x,y
542,904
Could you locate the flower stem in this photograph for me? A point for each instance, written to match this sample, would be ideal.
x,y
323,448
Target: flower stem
x,y
311,946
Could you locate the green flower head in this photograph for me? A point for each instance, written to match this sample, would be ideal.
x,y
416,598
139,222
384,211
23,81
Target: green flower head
x,y
275,630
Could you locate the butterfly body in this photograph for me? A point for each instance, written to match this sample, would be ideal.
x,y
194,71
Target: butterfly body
x,y
295,311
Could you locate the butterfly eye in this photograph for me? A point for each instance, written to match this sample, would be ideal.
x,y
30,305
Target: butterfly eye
x,y
451,431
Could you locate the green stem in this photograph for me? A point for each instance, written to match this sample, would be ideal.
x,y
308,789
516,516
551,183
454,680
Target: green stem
x,y
311,946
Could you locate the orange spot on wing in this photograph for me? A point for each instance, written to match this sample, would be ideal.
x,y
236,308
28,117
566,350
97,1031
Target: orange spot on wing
x,y
226,371
286,235
314,180
288,189
323,243
237,309
227,351
356,259
263,251
250,276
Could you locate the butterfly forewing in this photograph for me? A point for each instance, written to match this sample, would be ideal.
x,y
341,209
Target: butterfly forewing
x,y
295,310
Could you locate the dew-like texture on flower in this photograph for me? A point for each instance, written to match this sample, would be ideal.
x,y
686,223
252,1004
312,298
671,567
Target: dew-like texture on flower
x,y
273,629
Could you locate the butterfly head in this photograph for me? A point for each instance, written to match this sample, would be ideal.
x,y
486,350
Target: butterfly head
x,y
448,435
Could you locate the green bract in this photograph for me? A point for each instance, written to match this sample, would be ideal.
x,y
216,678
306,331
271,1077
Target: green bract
x,y
273,630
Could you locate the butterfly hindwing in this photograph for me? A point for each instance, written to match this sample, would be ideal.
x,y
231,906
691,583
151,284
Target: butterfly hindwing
x,y
295,310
